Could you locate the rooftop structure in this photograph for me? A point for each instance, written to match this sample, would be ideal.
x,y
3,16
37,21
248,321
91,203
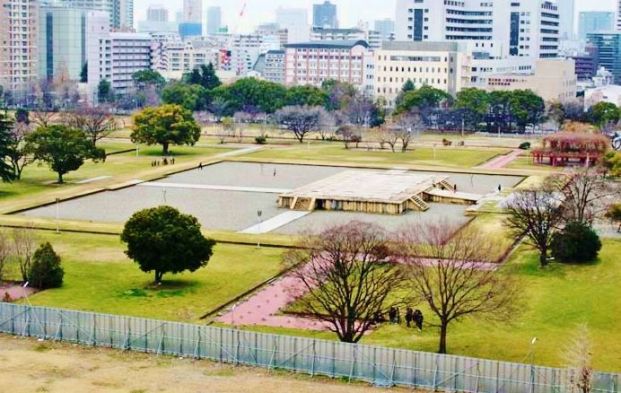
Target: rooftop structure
x,y
382,192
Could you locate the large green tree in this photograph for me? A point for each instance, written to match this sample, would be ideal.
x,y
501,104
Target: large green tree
x,y
63,148
251,95
165,125
526,108
162,240
191,97
6,126
604,115
205,75
104,91
148,77
475,103
305,96
426,97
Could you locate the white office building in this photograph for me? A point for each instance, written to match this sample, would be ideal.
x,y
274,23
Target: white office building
x,y
121,12
295,21
116,57
496,28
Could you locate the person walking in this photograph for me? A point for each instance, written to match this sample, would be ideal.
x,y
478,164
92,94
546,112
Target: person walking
x,y
409,316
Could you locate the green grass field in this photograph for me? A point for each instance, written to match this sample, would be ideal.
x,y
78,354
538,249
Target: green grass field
x,y
99,277
336,153
554,302
38,179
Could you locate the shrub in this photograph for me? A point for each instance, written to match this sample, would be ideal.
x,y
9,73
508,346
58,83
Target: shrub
x,y
45,271
260,140
577,242
524,146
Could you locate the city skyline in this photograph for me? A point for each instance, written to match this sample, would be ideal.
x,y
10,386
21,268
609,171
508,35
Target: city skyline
x,y
349,11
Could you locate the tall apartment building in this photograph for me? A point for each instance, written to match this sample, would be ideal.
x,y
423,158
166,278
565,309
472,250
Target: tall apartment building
x,y
192,24
64,35
372,37
595,22
214,20
175,58
245,50
121,12
608,52
618,15
497,28
118,56
157,14
18,43
325,15
313,63
295,21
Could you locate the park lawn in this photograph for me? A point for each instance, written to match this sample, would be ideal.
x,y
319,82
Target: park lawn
x,y
492,227
554,300
39,178
99,277
337,154
526,162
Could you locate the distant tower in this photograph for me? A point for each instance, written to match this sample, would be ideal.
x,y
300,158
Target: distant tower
x,y
567,19
157,13
324,15
214,19
192,24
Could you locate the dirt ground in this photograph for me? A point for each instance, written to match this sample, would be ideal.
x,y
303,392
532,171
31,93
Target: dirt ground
x,y
28,365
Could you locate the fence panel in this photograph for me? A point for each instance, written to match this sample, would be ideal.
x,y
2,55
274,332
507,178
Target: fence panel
x,y
381,366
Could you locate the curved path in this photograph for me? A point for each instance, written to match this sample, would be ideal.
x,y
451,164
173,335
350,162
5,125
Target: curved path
x,y
501,161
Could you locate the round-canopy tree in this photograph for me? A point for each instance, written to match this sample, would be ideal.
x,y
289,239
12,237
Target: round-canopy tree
x,y
165,125
163,240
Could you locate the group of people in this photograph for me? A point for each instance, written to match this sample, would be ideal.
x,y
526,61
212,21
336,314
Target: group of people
x,y
163,161
412,317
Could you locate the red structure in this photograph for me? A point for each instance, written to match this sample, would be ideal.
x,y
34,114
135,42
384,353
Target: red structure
x,y
566,148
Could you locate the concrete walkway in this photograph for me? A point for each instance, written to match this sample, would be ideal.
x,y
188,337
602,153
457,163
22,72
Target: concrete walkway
x,y
275,222
502,161
92,180
215,187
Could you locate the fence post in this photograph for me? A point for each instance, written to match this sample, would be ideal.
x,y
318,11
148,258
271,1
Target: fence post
x,y
237,347
181,338
94,335
295,354
333,359
497,376
197,347
435,375
45,323
532,379
27,327
374,365
353,363
77,328
313,364
128,335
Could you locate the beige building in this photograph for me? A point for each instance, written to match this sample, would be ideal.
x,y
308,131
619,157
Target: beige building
x,y
552,80
18,43
442,65
313,63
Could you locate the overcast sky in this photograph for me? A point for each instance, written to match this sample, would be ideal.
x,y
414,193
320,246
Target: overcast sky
x,y
350,11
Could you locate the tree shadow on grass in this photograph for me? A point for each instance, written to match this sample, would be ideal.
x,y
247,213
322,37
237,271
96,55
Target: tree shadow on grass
x,y
168,288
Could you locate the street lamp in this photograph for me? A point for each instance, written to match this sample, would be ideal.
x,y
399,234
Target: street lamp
x,y
259,214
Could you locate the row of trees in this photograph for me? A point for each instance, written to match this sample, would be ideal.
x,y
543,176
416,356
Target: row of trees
x,y
64,146
558,216
40,266
355,272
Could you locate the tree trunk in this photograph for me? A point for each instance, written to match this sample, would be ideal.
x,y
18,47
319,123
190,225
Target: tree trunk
x,y
543,258
158,277
165,148
443,332
60,178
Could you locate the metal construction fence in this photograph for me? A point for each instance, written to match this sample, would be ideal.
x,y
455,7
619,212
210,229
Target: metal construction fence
x,y
377,365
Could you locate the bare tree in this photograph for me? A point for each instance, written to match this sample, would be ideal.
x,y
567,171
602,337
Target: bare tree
x,y
300,120
535,214
583,193
391,137
228,129
579,361
17,154
410,125
96,122
5,252
349,135
42,118
348,277
24,246
451,276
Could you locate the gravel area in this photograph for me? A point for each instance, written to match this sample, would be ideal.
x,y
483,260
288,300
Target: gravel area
x,y
236,211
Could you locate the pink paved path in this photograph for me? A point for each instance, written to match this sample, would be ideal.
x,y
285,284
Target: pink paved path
x,y
502,161
15,291
262,307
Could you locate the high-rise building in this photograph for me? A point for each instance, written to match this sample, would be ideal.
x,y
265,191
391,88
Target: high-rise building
x,y
193,11
619,15
567,17
295,21
121,12
117,56
526,28
157,14
608,52
325,15
64,38
595,22
386,28
18,43
214,20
